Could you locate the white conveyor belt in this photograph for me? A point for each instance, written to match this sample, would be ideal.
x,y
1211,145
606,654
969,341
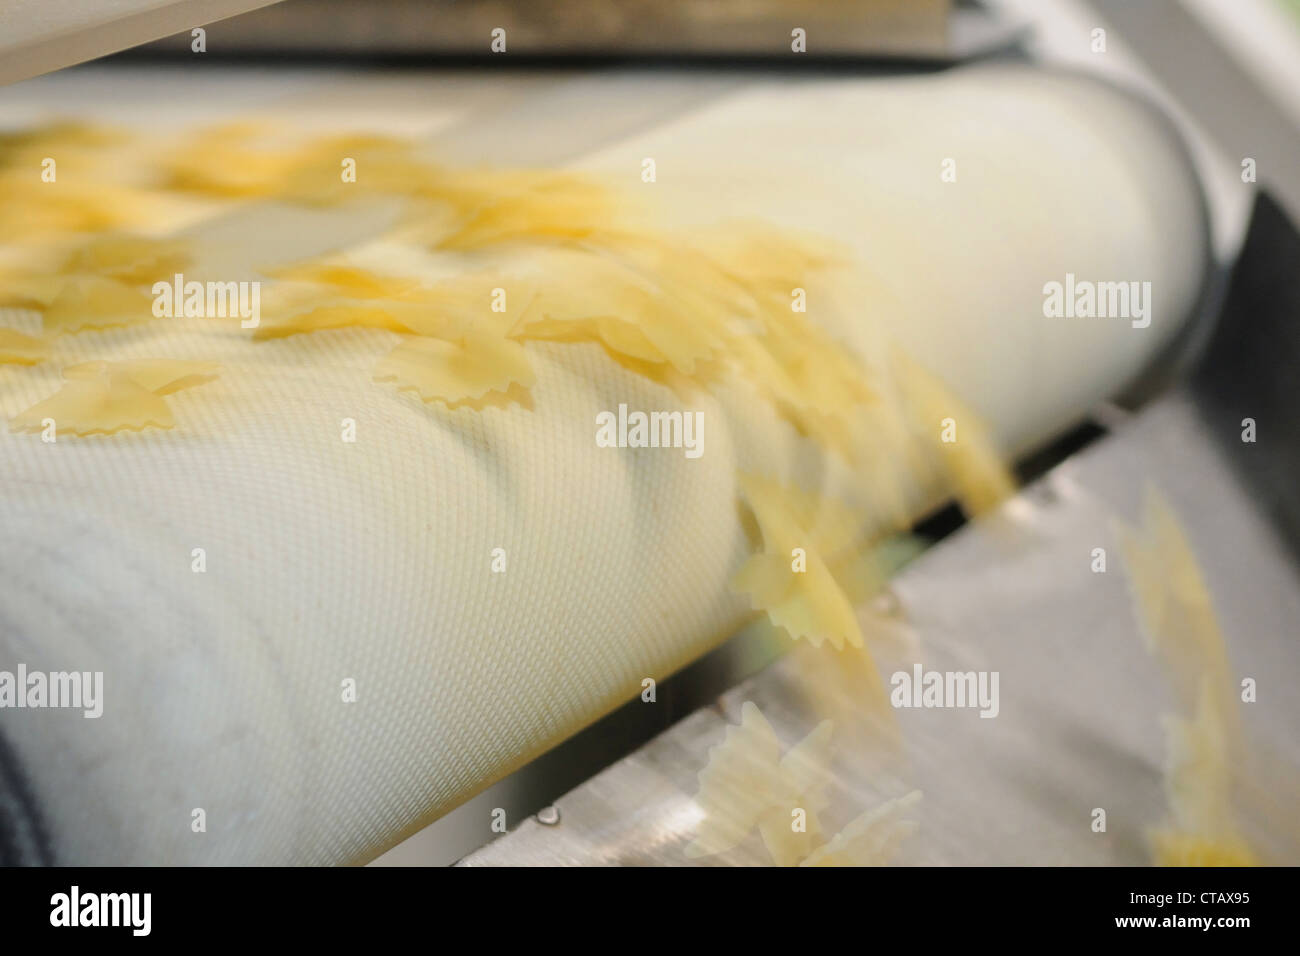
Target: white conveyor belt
x,y
328,561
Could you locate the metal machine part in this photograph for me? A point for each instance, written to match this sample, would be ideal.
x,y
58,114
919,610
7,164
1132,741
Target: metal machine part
x,y
918,29
39,37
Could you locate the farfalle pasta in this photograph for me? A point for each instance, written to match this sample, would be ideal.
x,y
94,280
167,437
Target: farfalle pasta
x,y
103,398
1203,739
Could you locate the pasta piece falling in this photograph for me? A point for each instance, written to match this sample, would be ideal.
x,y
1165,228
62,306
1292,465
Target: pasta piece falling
x,y
101,398
747,784
872,839
976,474
588,296
778,258
1198,776
1180,629
1180,848
807,601
808,604
1173,603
